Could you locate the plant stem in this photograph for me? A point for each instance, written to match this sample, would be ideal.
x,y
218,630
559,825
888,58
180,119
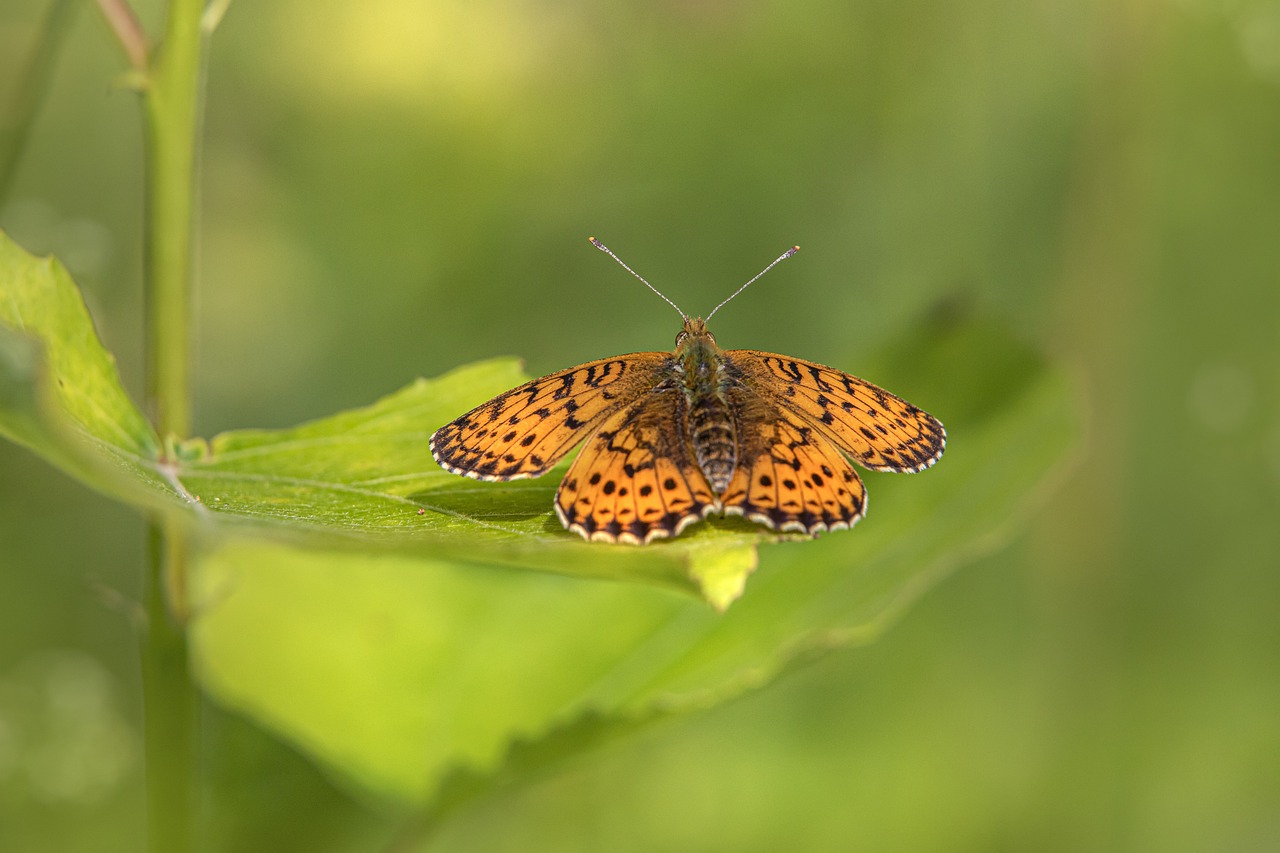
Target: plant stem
x,y
170,705
172,104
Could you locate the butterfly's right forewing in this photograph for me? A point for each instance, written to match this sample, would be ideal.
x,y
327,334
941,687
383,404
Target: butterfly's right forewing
x,y
877,429
524,432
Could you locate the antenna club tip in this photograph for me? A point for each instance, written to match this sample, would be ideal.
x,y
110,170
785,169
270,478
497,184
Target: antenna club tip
x,y
595,242
792,251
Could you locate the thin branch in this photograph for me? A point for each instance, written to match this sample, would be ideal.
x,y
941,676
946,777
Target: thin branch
x,y
124,23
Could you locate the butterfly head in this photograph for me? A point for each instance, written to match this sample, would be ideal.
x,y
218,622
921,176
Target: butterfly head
x,y
694,336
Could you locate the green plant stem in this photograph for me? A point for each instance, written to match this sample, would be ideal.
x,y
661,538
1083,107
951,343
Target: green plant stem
x,y
172,104
170,706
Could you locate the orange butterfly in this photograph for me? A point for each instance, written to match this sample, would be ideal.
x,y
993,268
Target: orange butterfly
x,y
677,436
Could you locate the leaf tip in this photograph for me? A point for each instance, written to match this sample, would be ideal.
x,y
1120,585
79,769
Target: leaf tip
x,y
721,572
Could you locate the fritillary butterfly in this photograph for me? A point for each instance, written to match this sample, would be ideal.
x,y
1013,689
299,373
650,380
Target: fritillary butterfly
x,y
673,437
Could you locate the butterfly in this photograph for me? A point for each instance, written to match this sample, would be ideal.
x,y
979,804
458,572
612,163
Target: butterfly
x,y
673,437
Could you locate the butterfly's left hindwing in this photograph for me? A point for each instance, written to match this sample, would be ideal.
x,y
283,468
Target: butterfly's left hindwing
x,y
636,479
527,430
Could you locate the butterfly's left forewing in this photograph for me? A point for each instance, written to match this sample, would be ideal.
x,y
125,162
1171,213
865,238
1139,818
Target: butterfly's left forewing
x,y
877,429
527,430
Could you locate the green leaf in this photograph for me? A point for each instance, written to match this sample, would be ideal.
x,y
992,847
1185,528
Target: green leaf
x,y
431,682
367,476
60,392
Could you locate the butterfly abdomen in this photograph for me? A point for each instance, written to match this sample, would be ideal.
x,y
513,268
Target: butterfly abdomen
x,y
714,443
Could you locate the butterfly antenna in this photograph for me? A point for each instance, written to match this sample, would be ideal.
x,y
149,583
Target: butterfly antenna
x,y
788,253
602,247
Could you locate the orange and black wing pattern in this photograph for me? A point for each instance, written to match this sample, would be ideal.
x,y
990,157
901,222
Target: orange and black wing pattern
x,y
878,430
636,479
790,477
525,431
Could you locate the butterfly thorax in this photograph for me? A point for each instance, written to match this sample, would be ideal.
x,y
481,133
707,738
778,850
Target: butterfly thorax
x,y
709,420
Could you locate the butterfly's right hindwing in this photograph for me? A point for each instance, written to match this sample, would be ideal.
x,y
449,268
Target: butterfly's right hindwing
x,y
791,478
527,430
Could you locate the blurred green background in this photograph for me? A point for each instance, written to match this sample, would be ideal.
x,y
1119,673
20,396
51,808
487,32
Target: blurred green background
x,y
393,188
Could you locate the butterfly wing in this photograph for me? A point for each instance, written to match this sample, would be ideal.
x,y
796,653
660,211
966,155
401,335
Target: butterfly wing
x,y
790,477
525,431
877,429
637,480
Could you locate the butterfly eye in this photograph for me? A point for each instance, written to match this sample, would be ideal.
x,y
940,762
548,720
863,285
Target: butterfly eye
x,y
680,337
